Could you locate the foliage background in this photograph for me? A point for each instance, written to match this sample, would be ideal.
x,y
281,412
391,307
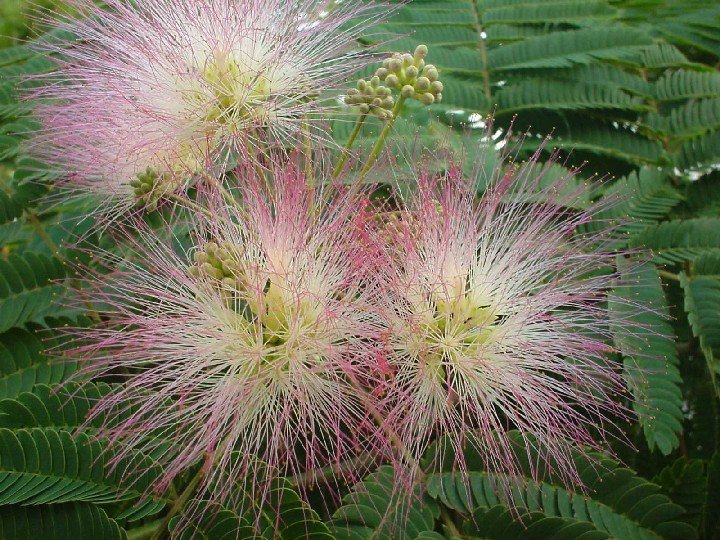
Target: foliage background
x,y
630,86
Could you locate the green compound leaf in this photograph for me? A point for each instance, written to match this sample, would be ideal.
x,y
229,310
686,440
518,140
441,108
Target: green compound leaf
x,y
565,49
72,521
685,482
30,289
617,503
375,509
680,240
702,298
646,340
24,362
291,518
683,84
44,460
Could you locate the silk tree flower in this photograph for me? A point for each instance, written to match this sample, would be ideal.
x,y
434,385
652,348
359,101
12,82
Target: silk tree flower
x,y
167,85
498,320
246,353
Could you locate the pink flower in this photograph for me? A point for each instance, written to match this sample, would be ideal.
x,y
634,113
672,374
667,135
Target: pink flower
x,y
498,319
177,86
248,357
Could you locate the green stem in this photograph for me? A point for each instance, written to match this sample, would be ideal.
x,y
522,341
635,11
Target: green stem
x,y
668,275
307,141
483,53
224,192
190,205
44,236
144,532
316,475
449,523
372,158
161,529
348,145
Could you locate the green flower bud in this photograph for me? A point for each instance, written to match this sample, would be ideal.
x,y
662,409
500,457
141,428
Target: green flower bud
x,y
392,81
423,84
407,91
388,102
407,59
211,271
438,98
211,247
228,283
362,85
383,91
427,99
395,65
386,63
411,72
200,257
421,51
377,102
436,87
353,92
382,73
375,81
421,64
194,271
364,108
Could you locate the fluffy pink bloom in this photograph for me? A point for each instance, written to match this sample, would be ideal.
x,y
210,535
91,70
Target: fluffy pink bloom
x,y
247,355
498,319
178,86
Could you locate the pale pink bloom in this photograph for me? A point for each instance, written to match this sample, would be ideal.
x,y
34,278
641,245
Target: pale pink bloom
x,y
249,356
498,319
180,85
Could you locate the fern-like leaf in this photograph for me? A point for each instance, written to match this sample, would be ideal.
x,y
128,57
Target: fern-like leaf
x,y
374,509
72,521
618,504
651,364
679,240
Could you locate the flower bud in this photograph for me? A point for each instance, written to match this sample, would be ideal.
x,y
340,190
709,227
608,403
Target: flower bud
x,y
383,91
228,283
423,84
427,99
362,85
392,81
436,87
364,108
200,257
386,63
438,98
421,51
375,81
407,91
395,65
382,73
377,102
353,92
411,72
388,102
407,59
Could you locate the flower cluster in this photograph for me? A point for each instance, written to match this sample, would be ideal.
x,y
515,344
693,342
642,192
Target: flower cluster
x,y
302,325
182,86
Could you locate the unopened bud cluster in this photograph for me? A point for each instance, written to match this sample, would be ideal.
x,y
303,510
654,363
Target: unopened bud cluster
x,y
216,262
409,74
150,186
372,97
